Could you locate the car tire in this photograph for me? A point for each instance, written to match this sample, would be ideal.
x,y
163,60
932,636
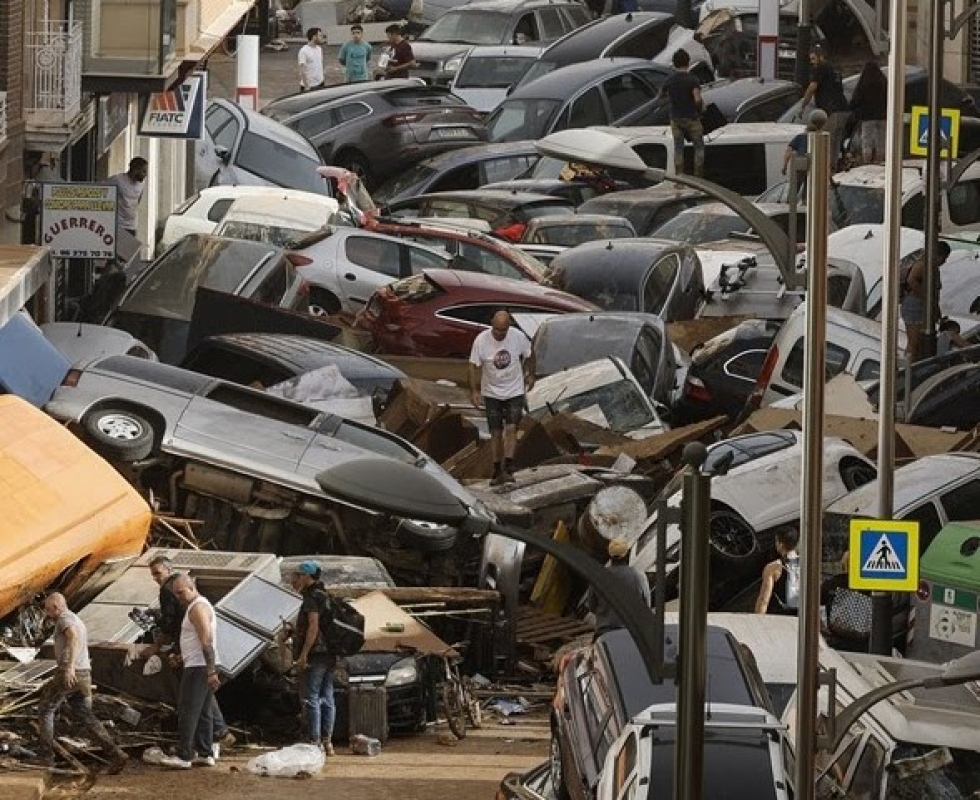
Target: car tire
x,y
356,163
556,768
426,537
731,537
119,434
854,473
323,303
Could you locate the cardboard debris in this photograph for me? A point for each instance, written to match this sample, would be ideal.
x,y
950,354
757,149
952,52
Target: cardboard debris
x,y
534,446
387,627
412,403
664,445
688,334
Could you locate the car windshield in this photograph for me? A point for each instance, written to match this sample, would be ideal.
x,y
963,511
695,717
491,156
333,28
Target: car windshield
x,y
608,289
411,181
620,405
856,205
574,235
700,228
468,27
521,119
492,72
281,236
279,164
169,285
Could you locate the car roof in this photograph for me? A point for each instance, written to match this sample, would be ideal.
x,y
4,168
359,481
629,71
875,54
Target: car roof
x,y
749,132
629,257
562,82
769,209
268,127
495,198
730,96
229,192
494,284
913,481
284,107
655,195
528,51
557,220
593,39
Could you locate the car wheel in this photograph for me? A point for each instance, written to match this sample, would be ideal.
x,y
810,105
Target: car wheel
x,y
119,434
323,303
856,473
357,164
731,536
555,767
426,536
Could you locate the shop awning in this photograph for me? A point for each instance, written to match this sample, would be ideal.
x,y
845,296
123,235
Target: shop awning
x,y
24,269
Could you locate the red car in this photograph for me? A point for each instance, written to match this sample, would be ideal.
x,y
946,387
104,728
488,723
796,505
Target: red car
x,y
439,312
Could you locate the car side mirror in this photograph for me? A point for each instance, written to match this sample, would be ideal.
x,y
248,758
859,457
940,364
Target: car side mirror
x,y
223,153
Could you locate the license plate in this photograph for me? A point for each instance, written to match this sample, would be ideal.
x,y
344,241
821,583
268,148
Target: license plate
x,y
952,625
454,133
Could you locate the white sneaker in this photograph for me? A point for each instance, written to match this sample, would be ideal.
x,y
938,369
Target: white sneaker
x,y
174,762
203,761
216,751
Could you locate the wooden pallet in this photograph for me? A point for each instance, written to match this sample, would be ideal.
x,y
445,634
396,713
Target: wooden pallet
x,y
537,629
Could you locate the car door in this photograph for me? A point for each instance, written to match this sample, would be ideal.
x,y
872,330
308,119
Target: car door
x,y
589,108
222,132
660,287
629,97
366,264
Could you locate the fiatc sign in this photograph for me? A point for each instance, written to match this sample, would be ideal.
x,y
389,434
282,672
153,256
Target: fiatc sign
x,y
78,220
176,114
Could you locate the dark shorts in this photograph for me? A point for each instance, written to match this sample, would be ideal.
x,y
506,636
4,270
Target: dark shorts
x,y
503,412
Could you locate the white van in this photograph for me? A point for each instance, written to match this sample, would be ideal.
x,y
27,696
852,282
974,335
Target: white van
x,y
853,346
274,220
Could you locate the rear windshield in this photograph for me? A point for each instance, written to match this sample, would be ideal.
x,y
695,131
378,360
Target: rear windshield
x,y
279,164
574,235
700,228
491,72
168,288
473,27
856,205
421,96
280,236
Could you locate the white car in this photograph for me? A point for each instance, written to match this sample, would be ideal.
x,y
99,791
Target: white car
x,y
276,220
759,494
204,211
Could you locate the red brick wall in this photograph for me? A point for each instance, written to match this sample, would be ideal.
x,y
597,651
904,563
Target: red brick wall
x,y
12,81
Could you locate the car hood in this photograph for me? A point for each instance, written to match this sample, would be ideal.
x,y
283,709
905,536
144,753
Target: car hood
x,y
438,51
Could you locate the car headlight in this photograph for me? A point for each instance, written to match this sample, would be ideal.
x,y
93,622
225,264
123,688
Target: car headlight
x,y
402,673
452,64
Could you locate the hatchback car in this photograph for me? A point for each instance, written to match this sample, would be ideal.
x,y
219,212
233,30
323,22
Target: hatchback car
x,y
158,306
467,168
608,91
241,146
648,275
440,49
439,312
384,130
487,74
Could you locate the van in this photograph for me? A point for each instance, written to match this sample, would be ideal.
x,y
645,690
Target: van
x,y
853,346
279,221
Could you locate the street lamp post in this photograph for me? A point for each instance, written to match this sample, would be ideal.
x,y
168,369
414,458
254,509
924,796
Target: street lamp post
x,y
403,490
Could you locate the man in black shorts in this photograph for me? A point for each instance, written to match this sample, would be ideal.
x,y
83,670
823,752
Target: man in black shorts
x,y
501,371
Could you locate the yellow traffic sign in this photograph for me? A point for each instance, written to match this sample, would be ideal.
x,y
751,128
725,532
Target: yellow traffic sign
x,y
883,555
949,132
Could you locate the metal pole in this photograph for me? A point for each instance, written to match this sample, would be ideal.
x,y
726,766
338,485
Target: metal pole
x,y
811,528
803,44
692,656
927,345
880,640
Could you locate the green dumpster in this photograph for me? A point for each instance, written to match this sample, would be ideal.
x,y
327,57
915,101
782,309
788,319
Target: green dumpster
x,y
947,600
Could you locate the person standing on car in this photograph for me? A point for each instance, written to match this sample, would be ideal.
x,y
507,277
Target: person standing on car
x,y
869,105
129,191
780,589
312,658
398,57
71,684
355,56
683,90
626,576
912,285
310,61
826,92
199,679
501,373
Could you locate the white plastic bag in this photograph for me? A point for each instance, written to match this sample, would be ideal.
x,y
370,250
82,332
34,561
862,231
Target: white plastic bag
x,y
288,762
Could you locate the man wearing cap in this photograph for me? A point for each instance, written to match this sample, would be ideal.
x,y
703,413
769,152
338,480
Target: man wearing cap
x,y
625,575
311,657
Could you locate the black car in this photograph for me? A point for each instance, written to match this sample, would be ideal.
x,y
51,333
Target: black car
x,y
647,209
605,91
723,371
465,168
745,100
497,207
601,688
158,306
271,358
384,128
639,340
647,275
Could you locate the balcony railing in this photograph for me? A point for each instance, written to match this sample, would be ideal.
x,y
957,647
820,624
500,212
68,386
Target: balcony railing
x,y
3,116
54,73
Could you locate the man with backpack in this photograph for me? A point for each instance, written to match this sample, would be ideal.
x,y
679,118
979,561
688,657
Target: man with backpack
x,y
312,658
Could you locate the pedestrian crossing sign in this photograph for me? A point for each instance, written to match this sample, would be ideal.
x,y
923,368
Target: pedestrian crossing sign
x,y
884,555
949,132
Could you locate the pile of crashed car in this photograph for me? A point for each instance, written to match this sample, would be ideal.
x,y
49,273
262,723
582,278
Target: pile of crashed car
x,y
294,322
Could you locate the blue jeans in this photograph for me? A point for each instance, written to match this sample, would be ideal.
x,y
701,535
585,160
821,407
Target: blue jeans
x,y
318,699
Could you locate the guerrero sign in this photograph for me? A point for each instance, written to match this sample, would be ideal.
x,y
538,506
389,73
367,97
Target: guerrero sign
x,y
78,220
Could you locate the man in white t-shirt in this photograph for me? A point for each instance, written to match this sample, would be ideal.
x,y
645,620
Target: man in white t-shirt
x,y
310,61
501,371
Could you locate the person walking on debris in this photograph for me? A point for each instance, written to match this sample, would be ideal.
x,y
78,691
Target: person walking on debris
x,y
169,620
501,372
683,90
129,191
198,681
781,578
826,92
310,61
312,658
869,105
625,575
71,684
